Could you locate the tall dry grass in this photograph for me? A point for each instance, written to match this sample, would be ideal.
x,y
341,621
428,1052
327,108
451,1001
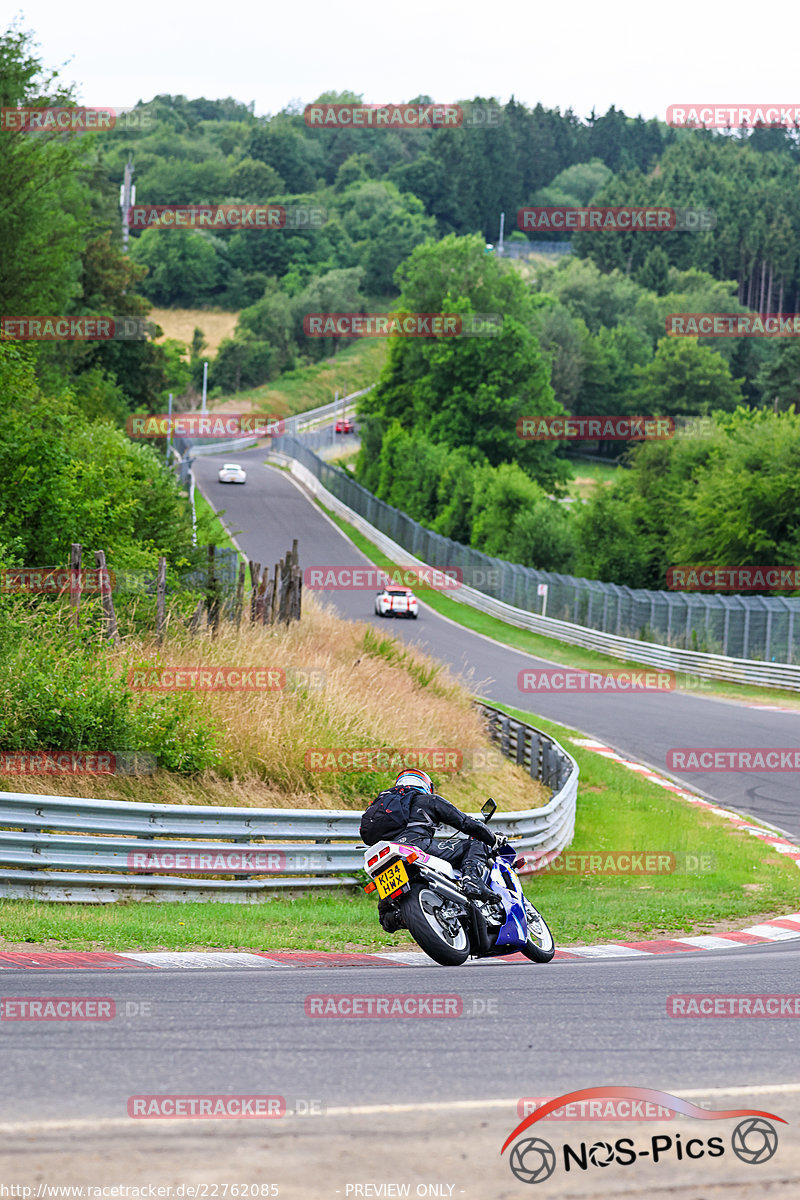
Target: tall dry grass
x,y
377,693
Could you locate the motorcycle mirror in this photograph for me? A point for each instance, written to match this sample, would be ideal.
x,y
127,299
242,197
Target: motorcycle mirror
x,y
489,809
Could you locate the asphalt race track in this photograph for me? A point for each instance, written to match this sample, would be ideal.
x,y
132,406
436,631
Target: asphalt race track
x,y
271,509
402,1101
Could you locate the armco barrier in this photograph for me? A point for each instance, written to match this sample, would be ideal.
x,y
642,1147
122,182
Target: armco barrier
x,y
696,662
60,848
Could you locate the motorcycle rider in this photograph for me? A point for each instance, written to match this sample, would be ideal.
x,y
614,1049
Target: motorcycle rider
x,y
411,811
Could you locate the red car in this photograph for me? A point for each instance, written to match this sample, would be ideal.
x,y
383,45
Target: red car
x,y
345,425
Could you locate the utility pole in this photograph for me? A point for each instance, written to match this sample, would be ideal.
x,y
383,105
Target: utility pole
x,y
127,198
502,226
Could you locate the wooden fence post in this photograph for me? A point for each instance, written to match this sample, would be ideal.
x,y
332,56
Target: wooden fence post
x,y
255,575
197,616
240,594
269,595
161,596
75,583
276,592
298,594
261,592
107,600
212,593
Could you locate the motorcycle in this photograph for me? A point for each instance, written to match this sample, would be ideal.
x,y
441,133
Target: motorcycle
x,y
421,893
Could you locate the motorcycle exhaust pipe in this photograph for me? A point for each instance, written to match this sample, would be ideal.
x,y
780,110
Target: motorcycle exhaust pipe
x,y
443,889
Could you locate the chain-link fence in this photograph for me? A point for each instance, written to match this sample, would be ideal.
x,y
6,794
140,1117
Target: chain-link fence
x,y
765,628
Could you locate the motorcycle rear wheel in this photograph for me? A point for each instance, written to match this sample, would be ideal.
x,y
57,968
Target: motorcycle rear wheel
x,y
430,932
540,946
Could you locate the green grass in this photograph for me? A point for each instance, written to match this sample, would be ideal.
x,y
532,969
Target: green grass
x,y
214,531
354,367
620,811
596,475
550,648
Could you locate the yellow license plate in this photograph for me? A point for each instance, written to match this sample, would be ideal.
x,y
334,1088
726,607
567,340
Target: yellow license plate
x,y
391,879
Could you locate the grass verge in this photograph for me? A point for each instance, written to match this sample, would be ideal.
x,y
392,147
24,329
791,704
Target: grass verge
x,y
549,648
353,368
213,527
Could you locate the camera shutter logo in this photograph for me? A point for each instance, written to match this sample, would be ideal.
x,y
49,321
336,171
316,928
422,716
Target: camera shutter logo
x,y
754,1140
533,1160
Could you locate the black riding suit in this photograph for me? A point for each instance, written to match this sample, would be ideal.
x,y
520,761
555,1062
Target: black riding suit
x,y
427,812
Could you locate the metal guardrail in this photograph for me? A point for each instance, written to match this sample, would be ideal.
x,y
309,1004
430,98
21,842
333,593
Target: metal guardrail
x,y
98,851
299,423
697,662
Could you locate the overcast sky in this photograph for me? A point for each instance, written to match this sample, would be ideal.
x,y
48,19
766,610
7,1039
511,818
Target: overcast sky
x,y
639,56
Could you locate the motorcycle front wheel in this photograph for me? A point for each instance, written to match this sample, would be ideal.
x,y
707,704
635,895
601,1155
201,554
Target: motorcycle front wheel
x,y
540,946
442,937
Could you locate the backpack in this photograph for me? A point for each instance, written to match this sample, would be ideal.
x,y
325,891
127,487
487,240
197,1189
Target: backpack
x,y
387,814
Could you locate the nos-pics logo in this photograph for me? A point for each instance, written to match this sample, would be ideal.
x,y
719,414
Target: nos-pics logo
x,y
533,1160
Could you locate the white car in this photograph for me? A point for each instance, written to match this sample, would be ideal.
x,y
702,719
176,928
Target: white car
x,y
232,473
396,602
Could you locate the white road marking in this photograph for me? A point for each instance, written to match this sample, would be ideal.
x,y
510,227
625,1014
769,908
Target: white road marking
x,y
199,958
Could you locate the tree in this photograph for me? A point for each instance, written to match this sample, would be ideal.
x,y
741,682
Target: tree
x,y
255,181
70,479
44,197
514,519
469,391
685,378
779,377
183,267
383,227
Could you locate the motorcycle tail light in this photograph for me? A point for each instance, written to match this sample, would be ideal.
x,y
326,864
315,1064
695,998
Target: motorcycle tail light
x,y
371,861
384,851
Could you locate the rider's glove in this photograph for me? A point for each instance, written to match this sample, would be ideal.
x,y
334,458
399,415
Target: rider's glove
x,y
500,841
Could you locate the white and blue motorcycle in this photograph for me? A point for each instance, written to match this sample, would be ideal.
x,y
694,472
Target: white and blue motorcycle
x,y
421,893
